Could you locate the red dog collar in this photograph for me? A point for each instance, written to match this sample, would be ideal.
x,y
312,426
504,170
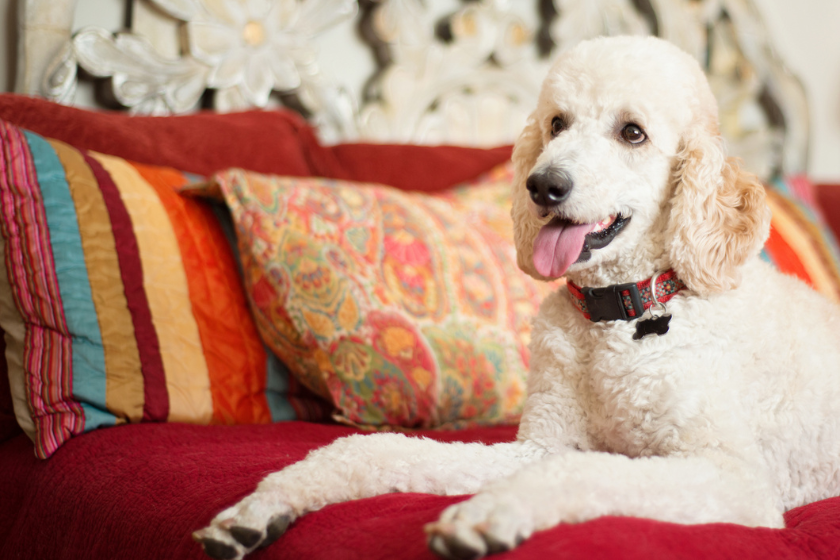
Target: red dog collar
x,y
623,301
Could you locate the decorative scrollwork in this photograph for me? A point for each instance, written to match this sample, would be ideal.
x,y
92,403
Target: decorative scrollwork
x,y
242,50
470,77
470,82
141,79
577,21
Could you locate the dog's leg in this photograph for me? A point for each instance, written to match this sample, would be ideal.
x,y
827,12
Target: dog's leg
x,y
355,467
578,486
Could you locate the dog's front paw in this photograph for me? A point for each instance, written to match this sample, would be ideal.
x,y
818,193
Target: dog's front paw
x,y
484,524
256,521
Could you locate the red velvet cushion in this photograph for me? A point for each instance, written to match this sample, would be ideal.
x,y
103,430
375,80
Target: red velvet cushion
x,y
277,142
138,491
415,168
268,141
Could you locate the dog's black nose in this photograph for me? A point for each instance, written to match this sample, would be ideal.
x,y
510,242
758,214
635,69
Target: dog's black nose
x,y
549,188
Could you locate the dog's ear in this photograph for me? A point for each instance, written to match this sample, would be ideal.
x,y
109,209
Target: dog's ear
x,y
719,216
526,150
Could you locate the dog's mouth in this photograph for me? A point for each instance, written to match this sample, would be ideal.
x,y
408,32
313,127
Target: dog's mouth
x,y
561,242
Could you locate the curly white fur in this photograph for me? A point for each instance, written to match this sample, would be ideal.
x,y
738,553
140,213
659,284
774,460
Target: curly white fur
x,y
732,416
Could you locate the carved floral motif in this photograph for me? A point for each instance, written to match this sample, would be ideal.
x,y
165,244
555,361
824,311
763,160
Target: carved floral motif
x,y
585,20
242,49
141,79
469,78
475,87
259,45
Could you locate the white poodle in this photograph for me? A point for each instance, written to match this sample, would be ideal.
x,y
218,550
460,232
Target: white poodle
x,y
721,403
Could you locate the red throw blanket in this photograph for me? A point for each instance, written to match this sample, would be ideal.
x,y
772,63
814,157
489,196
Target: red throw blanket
x,y
138,492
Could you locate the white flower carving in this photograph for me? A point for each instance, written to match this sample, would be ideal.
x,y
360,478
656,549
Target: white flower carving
x,y
256,46
472,89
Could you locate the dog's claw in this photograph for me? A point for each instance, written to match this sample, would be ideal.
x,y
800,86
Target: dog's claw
x,y
495,546
219,550
443,546
454,544
246,536
437,546
459,550
276,527
239,530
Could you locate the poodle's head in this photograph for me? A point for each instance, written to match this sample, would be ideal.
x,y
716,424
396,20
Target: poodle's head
x,y
620,172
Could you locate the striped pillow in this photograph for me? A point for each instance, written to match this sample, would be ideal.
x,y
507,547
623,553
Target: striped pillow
x,y
800,244
121,300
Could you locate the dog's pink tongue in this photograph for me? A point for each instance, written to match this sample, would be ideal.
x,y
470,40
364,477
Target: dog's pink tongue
x,y
557,246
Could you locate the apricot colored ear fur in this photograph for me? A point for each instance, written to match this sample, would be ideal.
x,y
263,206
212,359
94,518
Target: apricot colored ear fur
x,y
719,216
525,153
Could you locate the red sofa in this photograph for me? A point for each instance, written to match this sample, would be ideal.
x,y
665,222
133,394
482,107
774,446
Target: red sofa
x,y
139,491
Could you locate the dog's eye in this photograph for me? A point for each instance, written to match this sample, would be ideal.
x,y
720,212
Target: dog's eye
x,y
557,126
633,134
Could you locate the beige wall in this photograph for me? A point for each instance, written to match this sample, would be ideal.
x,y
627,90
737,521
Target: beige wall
x,y
804,32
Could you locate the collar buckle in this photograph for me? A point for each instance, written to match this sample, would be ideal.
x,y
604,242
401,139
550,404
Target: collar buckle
x,y
607,304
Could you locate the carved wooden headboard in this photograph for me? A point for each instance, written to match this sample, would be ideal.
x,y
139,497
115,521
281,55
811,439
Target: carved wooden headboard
x,y
434,71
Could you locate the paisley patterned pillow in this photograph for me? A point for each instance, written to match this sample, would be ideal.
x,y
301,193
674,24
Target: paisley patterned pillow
x,y
403,310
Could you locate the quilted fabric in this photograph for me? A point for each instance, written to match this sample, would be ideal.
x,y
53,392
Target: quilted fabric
x,y
120,299
139,491
404,310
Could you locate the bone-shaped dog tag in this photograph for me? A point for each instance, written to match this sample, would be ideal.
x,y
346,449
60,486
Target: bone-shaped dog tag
x,y
653,325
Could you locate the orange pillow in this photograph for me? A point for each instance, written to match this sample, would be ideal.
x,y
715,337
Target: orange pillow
x,y
800,244
120,300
